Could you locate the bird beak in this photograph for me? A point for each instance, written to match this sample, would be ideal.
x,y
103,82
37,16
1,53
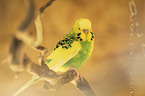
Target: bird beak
x,y
86,31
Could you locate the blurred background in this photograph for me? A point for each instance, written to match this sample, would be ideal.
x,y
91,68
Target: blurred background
x,y
108,67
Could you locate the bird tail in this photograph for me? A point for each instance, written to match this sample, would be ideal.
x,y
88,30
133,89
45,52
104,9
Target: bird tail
x,y
29,83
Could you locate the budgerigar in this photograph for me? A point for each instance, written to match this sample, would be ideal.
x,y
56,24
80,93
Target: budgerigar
x,y
70,52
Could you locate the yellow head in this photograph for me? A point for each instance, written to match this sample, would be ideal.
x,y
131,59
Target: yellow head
x,y
82,30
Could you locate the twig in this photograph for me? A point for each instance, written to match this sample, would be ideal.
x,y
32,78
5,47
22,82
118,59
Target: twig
x,y
30,15
41,10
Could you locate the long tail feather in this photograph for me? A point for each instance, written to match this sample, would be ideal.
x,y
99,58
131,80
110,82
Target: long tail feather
x,y
29,83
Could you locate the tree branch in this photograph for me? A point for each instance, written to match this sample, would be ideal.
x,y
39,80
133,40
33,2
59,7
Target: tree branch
x,y
30,15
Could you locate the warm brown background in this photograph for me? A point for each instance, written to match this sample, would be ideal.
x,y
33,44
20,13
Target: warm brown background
x,y
106,70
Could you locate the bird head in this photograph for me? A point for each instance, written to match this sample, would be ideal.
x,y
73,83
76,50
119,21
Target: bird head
x,y
82,30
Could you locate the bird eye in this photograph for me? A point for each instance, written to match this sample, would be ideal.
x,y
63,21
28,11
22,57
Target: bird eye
x,y
79,28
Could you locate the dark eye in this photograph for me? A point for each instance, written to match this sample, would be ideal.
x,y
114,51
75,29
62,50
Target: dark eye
x,y
79,28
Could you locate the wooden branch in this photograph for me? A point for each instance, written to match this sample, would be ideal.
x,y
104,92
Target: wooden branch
x,y
60,80
85,88
41,10
30,15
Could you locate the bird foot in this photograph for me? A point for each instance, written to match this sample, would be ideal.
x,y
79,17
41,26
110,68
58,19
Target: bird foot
x,y
78,75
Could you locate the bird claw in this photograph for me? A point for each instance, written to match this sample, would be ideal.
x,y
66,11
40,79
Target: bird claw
x,y
78,75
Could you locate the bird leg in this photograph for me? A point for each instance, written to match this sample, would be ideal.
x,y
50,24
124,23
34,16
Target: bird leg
x,y
77,73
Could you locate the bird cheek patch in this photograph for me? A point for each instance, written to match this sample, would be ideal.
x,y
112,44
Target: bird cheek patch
x,y
90,36
82,37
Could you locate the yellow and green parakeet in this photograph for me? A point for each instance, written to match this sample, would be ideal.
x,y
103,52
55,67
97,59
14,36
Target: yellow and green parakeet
x,y
70,52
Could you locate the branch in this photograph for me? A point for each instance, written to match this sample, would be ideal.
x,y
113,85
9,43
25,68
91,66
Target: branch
x,y
60,80
30,15
41,10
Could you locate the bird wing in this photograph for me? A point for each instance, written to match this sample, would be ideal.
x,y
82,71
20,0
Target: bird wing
x,y
60,56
